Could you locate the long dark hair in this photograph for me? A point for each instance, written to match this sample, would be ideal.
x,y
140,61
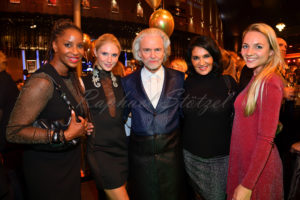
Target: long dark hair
x,y
58,29
211,46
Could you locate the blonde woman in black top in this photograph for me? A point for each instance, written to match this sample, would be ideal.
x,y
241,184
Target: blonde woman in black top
x,y
107,147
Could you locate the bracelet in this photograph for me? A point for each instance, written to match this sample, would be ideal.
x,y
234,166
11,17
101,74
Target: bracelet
x,y
49,136
55,137
62,136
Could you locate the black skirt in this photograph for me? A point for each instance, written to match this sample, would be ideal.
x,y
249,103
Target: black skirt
x,y
52,175
109,168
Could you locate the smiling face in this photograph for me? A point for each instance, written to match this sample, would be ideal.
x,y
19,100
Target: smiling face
x,y
68,48
202,61
256,50
152,52
107,56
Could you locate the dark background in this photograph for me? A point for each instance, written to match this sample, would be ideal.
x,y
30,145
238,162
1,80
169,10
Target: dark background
x,y
238,14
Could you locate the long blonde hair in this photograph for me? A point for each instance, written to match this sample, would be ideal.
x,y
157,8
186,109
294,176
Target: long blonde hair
x,y
274,64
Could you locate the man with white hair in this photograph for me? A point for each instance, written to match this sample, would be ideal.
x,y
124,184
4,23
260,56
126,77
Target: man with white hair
x,y
153,97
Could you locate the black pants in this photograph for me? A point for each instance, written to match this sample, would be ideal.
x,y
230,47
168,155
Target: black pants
x,y
156,167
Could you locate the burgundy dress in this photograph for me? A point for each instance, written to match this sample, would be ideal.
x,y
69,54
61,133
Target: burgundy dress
x,y
254,160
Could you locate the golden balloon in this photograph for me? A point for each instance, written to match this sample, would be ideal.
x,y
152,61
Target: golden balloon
x,y
153,3
163,20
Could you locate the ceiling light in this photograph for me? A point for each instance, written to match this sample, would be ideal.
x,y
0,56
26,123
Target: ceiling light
x,y
280,26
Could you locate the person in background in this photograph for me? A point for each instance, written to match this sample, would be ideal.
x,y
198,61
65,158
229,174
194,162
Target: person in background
x,y
128,71
10,154
229,60
119,69
153,97
255,168
179,64
8,96
107,151
49,116
283,47
207,119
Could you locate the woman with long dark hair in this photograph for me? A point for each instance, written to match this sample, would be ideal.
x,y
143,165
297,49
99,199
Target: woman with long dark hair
x,y
50,115
208,109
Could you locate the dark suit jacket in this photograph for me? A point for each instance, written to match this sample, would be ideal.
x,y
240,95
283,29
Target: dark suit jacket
x,y
156,166
146,120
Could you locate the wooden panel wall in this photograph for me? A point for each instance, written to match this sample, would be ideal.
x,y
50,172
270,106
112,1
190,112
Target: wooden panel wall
x,y
15,20
204,13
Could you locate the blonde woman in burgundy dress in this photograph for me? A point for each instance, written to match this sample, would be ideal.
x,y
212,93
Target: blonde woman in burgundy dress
x,y
255,168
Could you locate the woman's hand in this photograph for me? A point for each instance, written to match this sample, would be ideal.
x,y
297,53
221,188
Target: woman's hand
x,y
89,128
77,129
241,193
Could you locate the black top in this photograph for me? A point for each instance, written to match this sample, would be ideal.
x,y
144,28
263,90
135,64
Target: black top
x,y
48,175
246,75
107,147
208,109
109,130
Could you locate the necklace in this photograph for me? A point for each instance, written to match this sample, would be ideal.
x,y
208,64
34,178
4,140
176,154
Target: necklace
x,y
96,77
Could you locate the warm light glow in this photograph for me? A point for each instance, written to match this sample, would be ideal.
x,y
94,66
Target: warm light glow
x,y
139,10
280,26
191,20
114,6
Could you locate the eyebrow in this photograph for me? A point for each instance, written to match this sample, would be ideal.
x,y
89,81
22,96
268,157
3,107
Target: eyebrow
x,y
254,43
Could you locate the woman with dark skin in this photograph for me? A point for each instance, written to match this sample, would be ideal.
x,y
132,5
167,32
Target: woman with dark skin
x,y
52,173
